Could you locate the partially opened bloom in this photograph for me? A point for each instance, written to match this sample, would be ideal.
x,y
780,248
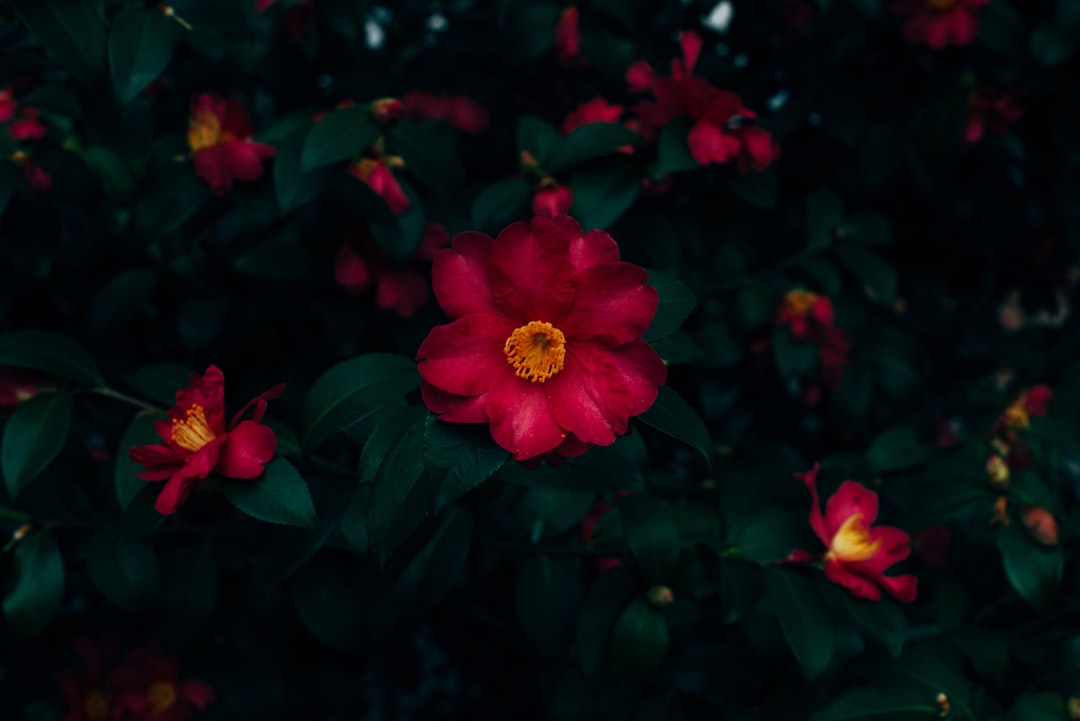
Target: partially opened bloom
x,y
858,553
219,135
545,345
568,38
993,110
197,441
151,688
551,199
938,23
377,175
809,317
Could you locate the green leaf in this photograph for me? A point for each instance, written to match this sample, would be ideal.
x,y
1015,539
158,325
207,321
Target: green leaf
x,y
536,137
930,673
639,642
603,604
672,415
678,347
33,437
172,198
603,194
393,459
1034,571
547,596
35,596
589,141
341,134
867,229
127,575
140,45
352,391
74,33
140,432
673,151
294,186
793,358
159,381
870,270
894,450
759,189
464,452
51,353
428,149
499,204
330,602
529,33
279,495
803,617
121,300
881,620
824,213
879,704
1049,46
676,303
113,170
651,536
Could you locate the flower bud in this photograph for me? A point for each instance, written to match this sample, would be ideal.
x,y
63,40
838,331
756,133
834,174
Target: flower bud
x,y
552,199
660,596
1040,525
386,111
997,471
943,705
1001,513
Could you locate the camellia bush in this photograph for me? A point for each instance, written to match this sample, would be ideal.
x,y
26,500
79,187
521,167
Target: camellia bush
x,y
605,359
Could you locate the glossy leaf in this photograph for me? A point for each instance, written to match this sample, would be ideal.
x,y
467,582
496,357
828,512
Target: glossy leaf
x,y
343,133
50,353
672,415
803,618
140,45
33,437
676,303
38,587
547,596
279,495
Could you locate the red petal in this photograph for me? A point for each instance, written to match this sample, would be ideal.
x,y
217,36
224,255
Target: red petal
x,y
460,276
640,369
402,291
1037,400
197,693
594,247
817,521
612,305
850,498
710,144
903,588
174,494
260,404
351,270
464,357
895,547
160,461
249,447
207,391
588,398
453,408
691,49
435,238
530,271
859,586
521,421
640,77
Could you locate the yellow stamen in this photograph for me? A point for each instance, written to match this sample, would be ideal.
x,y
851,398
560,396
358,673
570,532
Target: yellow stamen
x,y
799,302
537,350
997,471
1001,513
204,131
193,432
852,541
364,169
161,696
1016,416
96,706
939,5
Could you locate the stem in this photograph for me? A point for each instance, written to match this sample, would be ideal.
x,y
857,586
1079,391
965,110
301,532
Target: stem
x,y
110,393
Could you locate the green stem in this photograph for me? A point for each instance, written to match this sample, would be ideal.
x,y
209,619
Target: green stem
x,y
110,393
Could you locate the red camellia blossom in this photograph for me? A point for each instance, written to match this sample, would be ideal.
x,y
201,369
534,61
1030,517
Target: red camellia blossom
x,y
378,176
810,317
1035,401
151,688
361,264
938,23
219,135
568,38
7,105
721,132
596,110
992,110
197,441
858,553
460,112
552,199
28,126
545,345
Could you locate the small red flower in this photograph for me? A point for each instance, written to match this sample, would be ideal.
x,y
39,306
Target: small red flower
x,y
596,110
7,105
992,110
1035,401
568,38
721,132
151,688
938,23
809,317
219,135
378,176
1040,525
386,111
197,441
361,263
552,199
458,111
545,345
28,126
858,553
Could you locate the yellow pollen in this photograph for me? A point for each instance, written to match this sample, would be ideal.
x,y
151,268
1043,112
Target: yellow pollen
x,y
537,350
364,169
799,302
204,131
161,696
997,470
1016,417
96,706
939,5
852,541
193,432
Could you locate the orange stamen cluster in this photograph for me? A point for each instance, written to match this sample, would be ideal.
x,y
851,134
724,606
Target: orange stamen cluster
x,y
537,350
799,302
204,131
852,543
192,432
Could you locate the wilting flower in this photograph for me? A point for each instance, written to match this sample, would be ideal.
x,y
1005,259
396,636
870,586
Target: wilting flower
x,y
858,553
721,131
149,688
551,199
378,176
1040,524
361,263
219,135
993,110
545,345
568,38
197,441
938,23
809,317
458,111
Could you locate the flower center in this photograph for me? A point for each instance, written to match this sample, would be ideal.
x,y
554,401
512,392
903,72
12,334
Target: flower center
x,y
537,350
204,131
799,302
161,696
363,169
192,432
939,5
852,541
96,706
1016,417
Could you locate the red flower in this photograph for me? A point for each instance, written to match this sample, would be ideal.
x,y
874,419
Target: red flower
x,y
386,111
7,105
378,176
991,109
720,133
1035,401
1040,525
219,134
197,441
810,317
546,343
151,688
859,554
403,290
568,38
460,112
28,126
552,199
596,110
938,23
17,385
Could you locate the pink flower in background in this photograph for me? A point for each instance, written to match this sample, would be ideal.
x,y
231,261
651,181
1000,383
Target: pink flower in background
x,y
219,135
596,110
938,23
552,199
809,317
378,176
